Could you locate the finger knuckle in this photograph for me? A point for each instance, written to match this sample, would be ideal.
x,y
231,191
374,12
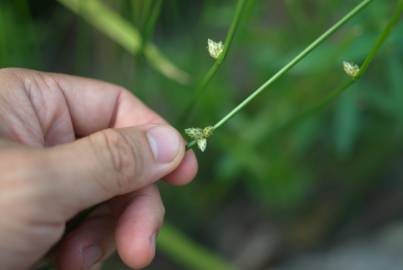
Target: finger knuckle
x,y
121,157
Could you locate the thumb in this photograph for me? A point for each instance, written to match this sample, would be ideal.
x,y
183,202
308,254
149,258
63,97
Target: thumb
x,y
110,163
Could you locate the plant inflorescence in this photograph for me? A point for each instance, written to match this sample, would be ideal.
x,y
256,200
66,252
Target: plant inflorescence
x,y
351,69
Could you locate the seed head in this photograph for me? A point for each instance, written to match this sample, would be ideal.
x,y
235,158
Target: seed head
x,y
200,136
208,131
194,133
202,144
214,48
351,69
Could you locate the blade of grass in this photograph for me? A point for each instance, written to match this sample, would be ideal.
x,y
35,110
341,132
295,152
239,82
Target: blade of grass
x,y
126,35
200,88
187,253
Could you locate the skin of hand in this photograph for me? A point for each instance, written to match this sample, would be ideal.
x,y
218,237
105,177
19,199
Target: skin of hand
x,y
70,143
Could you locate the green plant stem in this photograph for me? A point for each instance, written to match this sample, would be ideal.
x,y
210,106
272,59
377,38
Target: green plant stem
x,y
126,35
294,61
290,64
150,23
313,109
145,11
187,253
200,88
151,11
398,10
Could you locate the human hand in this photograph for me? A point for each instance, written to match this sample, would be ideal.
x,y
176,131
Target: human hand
x,y
69,143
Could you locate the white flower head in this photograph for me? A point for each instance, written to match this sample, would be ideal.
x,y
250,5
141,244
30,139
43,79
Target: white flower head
x,y
200,136
351,69
215,48
202,144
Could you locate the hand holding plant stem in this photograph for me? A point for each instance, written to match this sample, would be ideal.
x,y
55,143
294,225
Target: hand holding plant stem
x,y
281,72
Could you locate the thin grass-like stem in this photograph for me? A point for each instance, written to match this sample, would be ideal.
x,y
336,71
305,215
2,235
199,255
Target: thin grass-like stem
x,y
150,23
200,88
329,98
398,10
294,61
291,64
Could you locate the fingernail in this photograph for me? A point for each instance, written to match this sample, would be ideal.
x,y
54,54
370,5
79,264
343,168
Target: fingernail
x,y
164,142
92,255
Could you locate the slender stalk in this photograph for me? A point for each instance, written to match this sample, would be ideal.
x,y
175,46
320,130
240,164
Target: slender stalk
x,y
125,34
291,64
398,10
311,110
389,27
217,64
188,253
294,61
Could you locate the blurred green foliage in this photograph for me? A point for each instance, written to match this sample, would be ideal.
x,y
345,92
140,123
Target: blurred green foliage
x,y
284,173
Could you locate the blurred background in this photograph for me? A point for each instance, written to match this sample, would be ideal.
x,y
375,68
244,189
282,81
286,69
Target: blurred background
x,y
274,191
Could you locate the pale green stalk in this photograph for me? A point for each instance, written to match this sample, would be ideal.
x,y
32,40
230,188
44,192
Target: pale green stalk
x,y
187,253
291,64
126,35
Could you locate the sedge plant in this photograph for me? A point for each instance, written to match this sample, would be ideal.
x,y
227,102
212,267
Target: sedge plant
x,y
219,52
200,136
352,70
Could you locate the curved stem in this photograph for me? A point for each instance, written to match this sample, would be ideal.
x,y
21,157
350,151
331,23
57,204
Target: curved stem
x,y
217,64
398,10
